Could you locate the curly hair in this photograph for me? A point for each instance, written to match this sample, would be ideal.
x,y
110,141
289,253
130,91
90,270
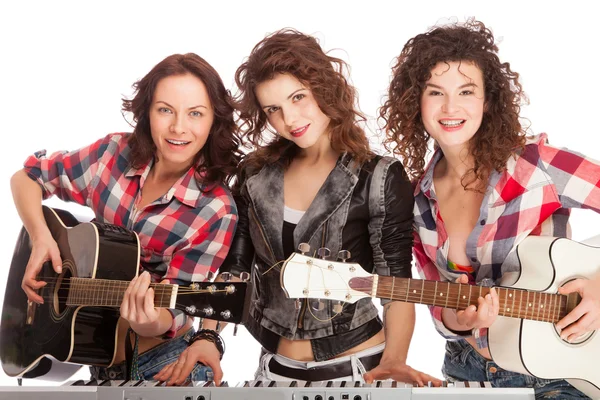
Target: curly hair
x,y
220,155
500,134
288,51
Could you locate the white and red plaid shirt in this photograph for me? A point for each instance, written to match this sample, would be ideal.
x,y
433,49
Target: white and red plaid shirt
x,y
183,235
533,196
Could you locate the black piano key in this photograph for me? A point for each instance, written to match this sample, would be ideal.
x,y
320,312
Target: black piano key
x,y
272,383
258,384
294,384
357,383
394,384
138,383
224,384
93,382
105,382
329,384
78,382
308,384
378,384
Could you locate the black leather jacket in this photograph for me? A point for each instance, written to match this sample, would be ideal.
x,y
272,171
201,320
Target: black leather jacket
x,y
366,209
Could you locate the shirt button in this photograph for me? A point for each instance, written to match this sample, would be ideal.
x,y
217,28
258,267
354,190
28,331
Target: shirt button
x,y
493,370
112,374
482,222
474,259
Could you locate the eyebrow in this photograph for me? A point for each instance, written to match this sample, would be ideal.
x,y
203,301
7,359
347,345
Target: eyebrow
x,y
289,97
460,87
190,108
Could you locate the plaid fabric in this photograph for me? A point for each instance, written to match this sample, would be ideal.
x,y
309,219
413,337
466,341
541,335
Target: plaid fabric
x,y
183,235
532,197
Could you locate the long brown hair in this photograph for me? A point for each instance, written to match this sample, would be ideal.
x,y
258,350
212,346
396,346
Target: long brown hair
x,y
220,154
288,51
500,134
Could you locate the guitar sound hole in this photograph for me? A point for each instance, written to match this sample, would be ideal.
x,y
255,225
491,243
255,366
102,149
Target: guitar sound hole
x,y
61,291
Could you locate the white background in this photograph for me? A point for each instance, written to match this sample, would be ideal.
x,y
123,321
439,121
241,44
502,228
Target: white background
x,y
66,66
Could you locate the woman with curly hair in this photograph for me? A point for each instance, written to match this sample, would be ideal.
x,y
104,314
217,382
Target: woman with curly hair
x,y
486,187
167,181
313,179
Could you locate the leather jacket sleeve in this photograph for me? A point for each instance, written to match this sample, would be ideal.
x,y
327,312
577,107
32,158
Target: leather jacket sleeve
x,y
392,246
241,254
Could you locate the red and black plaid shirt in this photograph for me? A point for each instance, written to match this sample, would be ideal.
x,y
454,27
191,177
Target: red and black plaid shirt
x,y
533,196
183,235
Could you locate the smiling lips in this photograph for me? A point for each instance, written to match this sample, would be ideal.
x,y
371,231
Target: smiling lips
x,y
300,131
179,143
450,125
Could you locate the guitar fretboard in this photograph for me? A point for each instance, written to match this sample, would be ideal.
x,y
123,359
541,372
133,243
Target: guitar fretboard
x,y
109,293
515,303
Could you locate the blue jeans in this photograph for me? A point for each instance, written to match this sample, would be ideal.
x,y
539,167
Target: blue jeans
x,y
152,361
463,363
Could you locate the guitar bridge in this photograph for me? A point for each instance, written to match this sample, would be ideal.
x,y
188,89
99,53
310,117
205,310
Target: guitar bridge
x,y
31,307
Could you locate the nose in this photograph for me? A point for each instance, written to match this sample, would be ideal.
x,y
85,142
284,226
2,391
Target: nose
x,y
450,105
178,125
290,116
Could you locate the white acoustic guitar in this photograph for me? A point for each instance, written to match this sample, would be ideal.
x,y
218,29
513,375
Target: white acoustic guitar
x,y
523,338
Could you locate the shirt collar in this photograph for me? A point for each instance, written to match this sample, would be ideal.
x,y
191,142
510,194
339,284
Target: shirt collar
x,y
426,180
186,189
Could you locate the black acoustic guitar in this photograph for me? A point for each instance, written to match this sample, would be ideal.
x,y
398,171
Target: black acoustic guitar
x,y
78,322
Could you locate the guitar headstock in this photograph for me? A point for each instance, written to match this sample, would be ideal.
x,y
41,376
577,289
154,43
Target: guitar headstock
x,y
303,276
220,301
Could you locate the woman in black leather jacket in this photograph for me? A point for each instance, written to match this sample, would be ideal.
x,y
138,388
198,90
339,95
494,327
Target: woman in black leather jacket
x,y
313,179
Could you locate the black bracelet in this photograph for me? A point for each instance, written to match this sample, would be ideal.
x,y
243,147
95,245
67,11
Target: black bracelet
x,y
210,336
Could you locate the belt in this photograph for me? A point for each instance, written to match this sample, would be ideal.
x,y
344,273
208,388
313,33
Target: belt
x,y
325,372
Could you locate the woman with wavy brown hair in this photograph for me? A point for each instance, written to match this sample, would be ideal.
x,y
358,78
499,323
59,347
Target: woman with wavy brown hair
x,y
486,188
167,181
312,179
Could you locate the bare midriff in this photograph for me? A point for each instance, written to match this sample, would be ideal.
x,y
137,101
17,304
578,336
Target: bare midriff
x,y
145,343
301,350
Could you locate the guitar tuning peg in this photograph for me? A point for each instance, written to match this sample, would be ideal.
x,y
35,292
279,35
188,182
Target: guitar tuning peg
x,y
344,255
235,329
323,252
303,248
226,276
218,327
244,276
337,307
297,304
317,305
210,276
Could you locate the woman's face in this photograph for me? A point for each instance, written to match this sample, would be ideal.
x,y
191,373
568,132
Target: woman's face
x,y
292,110
181,116
452,103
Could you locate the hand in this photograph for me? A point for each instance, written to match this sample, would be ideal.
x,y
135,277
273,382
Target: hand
x,y
482,316
201,351
586,316
399,371
44,248
138,303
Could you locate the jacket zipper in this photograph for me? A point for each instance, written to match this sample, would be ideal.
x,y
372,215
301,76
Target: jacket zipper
x,y
305,303
263,235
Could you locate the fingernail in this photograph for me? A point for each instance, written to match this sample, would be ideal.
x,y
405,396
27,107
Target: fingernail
x,y
59,269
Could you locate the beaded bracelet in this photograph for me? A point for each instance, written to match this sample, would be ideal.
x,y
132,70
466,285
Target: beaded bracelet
x,y
210,336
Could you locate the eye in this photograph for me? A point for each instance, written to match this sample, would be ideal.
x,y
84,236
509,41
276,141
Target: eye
x,y
164,110
466,92
196,114
299,97
434,93
273,109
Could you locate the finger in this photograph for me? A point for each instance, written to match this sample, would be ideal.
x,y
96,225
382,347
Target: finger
x,y
30,287
573,286
183,369
164,373
495,301
149,310
462,279
217,373
571,317
578,328
56,260
490,305
466,316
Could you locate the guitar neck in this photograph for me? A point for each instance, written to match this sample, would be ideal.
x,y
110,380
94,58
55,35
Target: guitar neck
x,y
516,303
109,293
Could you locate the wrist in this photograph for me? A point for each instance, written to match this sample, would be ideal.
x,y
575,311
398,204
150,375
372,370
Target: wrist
x,y
209,335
